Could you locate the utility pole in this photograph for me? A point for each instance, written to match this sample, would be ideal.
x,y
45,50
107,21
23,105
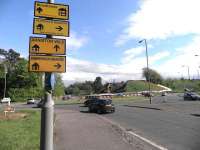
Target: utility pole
x,y
148,74
5,71
47,113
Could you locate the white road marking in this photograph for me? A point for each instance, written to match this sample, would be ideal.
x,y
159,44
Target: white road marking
x,y
148,141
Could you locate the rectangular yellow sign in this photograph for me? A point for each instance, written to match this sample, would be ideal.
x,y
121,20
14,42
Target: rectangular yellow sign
x,y
51,27
38,45
39,63
48,10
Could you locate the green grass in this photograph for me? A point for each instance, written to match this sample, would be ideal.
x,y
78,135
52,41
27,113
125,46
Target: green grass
x,y
180,85
70,101
135,86
21,134
128,99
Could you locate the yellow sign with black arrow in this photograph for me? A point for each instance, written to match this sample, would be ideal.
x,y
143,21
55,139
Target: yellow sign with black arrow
x,y
57,11
51,27
42,63
38,45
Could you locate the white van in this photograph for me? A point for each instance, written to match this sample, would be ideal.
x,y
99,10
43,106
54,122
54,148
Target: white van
x,y
6,100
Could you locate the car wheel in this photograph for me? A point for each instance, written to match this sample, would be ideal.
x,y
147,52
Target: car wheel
x,y
99,111
89,109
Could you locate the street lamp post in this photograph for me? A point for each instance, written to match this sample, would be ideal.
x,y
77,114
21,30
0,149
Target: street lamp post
x,y
197,69
5,71
148,74
188,69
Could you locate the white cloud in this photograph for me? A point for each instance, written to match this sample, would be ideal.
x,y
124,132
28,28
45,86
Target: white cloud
x,y
184,56
74,42
159,56
130,54
160,19
81,70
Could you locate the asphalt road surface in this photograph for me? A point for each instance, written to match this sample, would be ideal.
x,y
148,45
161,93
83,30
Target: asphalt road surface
x,y
168,121
174,124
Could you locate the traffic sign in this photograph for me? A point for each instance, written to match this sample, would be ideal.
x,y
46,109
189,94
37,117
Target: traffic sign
x,y
42,63
48,10
51,27
38,45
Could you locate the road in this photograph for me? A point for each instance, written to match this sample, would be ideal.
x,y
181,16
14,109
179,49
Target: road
x,y
173,124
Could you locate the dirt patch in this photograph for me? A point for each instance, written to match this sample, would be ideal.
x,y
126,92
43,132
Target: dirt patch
x,y
12,116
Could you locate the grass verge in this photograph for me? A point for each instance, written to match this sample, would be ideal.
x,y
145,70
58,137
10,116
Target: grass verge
x,y
22,133
128,99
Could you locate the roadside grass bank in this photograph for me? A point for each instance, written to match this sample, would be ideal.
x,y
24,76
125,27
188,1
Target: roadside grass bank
x,y
21,132
126,99
116,99
69,102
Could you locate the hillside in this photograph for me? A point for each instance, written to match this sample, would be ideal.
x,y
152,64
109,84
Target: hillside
x,y
138,85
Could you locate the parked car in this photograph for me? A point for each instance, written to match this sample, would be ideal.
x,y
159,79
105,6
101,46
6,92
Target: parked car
x,y
101,106
31,101
40,103
163,94
88,101
191,96
147,94
6,100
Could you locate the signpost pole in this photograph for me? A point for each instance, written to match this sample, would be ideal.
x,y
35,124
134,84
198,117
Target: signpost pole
x,y
46,133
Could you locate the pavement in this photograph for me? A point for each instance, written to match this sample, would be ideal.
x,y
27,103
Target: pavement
x,y
84,131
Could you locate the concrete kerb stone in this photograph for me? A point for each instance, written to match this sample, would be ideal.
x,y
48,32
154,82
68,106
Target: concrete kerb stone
x,y
131,138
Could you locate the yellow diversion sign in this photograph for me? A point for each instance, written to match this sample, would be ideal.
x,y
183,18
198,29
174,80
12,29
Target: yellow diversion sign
x,y
39,63
51,27
40,45
57,11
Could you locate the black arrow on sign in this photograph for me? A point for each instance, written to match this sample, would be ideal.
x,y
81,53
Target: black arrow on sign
x,y
39,9
56,47
57,66
59,28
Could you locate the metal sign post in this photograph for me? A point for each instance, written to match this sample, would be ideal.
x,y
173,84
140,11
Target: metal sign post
x,y
48,55
47,113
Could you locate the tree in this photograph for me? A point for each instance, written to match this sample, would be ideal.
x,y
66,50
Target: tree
x,y
21,84
59,89
97,85
152,76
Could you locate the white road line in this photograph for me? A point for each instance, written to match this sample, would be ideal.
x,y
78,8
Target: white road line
x,y
148,141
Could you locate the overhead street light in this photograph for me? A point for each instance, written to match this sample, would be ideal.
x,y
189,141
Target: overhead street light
x,y
148,74
188,70
197,68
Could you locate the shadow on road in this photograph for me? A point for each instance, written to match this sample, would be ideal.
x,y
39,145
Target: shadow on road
x,y
142,107
196,115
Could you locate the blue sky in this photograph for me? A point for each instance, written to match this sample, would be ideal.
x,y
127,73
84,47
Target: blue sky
x,y
105,34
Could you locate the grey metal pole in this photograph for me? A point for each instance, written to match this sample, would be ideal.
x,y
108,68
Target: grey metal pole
x,y
47,113
5,71
188,72
148,74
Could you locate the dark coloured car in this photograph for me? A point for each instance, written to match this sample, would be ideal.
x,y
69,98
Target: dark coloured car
x,y
101,106
191,96
88,101
40,103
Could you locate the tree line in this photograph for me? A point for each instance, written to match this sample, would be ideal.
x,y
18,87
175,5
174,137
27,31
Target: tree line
x,y
21,84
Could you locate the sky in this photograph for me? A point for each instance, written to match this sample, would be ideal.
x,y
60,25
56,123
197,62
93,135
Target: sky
x,y
105,34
